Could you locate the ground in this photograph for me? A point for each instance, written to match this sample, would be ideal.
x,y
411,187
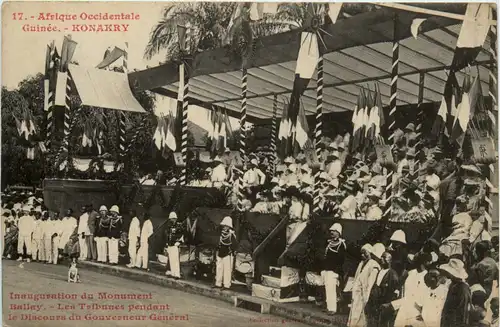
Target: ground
x,y
39,279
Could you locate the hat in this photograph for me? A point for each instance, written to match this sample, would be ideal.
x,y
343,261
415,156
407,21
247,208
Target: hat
x,y
172,215
289,160
365,169
367,247
280,168
26,208
217,159
411,153
323,175
341,146
471,169
333,146
337,227
455,267
275,180
227,221
375,194
358,156
305,167
378,250
254,162
208,169
292,167
399,236
6,211
334,182
335,154
227,150
38,209
307,180
410,127
103,208
115,209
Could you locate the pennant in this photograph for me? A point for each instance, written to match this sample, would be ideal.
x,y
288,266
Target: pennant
x,y
463,113
67,51
415,26
334,11
181,37
472,35
112,56
170,137
283,130
302,129
447,109
180,92
62,80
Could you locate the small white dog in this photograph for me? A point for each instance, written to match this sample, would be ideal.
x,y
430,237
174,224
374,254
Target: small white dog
x,y
73,275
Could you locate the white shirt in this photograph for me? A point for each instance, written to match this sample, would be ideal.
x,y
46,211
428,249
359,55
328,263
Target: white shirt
x,y
334,169
381,276
374,213
134,231
26,225
348,207
432,305
254,177
296,210
146,231
83,226
218,174
37,232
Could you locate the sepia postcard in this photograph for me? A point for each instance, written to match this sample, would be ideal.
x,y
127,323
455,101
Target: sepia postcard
x,y
249,164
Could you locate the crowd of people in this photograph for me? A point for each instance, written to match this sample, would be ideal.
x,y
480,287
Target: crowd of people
x,y
452,281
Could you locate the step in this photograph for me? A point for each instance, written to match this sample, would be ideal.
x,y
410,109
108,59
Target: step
x,y
252,304
275,271
271,281
266,292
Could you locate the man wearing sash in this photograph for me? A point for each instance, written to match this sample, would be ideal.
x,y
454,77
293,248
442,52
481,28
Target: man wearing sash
x,y
175,237
334,258
225,251
115,229
101,235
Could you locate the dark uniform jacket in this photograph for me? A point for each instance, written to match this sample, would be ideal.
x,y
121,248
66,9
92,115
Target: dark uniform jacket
x,y
92,221
174,232
103,223
381,294
457,305
115,227
227,244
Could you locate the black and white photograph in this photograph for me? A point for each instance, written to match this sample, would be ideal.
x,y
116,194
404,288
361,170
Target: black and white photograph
x,y
249,164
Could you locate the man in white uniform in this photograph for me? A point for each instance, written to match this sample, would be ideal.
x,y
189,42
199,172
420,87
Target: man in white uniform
x,y
134,232
57,228
69,224
26,225
143,253
83,228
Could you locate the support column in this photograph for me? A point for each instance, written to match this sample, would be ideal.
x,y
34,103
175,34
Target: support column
x,y
50,96
121,115
492,197
318,132
392,116
274,129
243,134
418,130
185,106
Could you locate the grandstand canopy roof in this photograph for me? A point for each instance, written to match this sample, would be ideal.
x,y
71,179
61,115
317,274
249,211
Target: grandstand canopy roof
x,y
358,52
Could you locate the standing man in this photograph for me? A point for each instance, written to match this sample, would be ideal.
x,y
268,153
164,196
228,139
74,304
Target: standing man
x,y
36,242
458,300
68,227
333,263
82,230
384,291
115,229
175,237
101,234
89,237
56,236
142,259
224,256
26,225
134,232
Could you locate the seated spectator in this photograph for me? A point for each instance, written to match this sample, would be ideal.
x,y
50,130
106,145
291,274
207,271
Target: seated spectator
x,y
373,211
461,223
349,204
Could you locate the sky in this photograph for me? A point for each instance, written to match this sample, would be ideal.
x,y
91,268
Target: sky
x,y
23,53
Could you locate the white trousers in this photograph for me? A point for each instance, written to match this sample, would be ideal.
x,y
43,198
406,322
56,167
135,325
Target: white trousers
x,y
223,271
113,250
142,259
174,261
47,249
55,249
24,241
102,248
83,248
132,249
331,281
36,248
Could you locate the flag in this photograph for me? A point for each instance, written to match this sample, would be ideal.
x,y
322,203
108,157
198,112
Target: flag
x,y
464,111
358,121
302,129
447,109
283,130
67,51
415,26
306,64
472,35
334,11
370,122
170,137
259,9
111,57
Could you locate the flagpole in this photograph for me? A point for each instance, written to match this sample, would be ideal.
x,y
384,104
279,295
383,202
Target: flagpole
x,y
185,107
418,130
392,116
121,115
50,97
318,131
274,128
243,118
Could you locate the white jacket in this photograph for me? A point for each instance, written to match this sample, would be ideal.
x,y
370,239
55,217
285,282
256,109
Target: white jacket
x,y
146,231
83,226
134,231
26,225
